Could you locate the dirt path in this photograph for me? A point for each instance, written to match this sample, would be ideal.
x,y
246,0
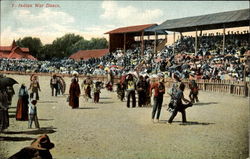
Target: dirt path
x,y
217,129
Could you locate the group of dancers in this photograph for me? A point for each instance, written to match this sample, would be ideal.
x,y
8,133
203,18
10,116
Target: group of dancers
x,y
128,86
154,87
88,85
145,87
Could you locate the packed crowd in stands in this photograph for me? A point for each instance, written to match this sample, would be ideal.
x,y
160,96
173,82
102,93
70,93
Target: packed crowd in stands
x,y
212,43
209,63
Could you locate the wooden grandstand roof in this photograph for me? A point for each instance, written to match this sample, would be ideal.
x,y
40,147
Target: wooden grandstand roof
x,y
136,28
87,54
237,18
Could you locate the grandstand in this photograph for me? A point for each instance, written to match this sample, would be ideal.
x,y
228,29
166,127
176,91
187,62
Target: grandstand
x,y
124,37
238,18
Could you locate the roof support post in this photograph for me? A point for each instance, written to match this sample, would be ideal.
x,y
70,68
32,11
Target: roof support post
x,y
174,44
224,39
155,44
142,43
109,43
124,43
196,42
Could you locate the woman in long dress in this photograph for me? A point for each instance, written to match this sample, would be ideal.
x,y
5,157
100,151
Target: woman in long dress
x,y
74,93
22,104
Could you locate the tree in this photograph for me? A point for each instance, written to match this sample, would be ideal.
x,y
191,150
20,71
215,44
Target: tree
x,y
64,44
34,45
61,47
47,52
98,43
80,45
94,43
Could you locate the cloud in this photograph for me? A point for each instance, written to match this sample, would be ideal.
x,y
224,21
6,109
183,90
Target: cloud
x,y
7,33
46,17
46,24
99,30
129,15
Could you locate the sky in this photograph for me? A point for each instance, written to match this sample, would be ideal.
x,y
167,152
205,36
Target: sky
x,y
49,20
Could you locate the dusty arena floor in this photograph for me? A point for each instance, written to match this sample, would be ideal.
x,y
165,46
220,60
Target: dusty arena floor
x,y
217,128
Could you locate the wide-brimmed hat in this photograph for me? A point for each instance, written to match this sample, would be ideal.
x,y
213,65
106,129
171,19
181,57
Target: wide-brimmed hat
x,y
42,143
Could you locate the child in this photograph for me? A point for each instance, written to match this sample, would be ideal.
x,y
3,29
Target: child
x,y
33,114
86,89
97,91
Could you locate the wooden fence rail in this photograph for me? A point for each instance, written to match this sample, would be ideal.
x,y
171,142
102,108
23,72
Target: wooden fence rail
x,y
239,88
222,86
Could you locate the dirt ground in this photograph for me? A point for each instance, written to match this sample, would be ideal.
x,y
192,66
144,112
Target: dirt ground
x,y
217,128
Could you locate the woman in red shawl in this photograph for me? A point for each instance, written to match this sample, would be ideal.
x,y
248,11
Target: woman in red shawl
x,y
22,104
74,93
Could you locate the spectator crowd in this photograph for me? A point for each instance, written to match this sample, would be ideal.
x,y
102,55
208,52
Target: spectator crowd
x,y
210,62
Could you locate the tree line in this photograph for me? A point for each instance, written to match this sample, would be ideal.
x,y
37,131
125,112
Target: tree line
x,y
61,47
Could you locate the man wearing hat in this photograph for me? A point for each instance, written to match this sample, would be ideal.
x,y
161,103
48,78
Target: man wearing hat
x,y
39,149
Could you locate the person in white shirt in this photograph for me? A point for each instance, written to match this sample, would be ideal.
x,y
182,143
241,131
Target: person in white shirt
x,y
33,115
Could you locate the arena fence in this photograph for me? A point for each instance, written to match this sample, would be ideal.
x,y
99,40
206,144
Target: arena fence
x,y
222,86
239,88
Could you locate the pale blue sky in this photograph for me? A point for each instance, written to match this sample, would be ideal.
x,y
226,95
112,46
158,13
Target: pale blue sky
x,y
94,18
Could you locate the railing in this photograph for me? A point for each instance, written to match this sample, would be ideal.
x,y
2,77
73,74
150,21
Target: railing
x,y
223,86
239,88
99,77
161,45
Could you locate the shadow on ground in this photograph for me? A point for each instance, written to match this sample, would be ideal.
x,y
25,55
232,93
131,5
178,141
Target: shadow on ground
x,y
195,123
204,104
8,138
187,123
43,130
14,112
88,108
105,98
105,102
45,119
12,115
12,107
47,101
